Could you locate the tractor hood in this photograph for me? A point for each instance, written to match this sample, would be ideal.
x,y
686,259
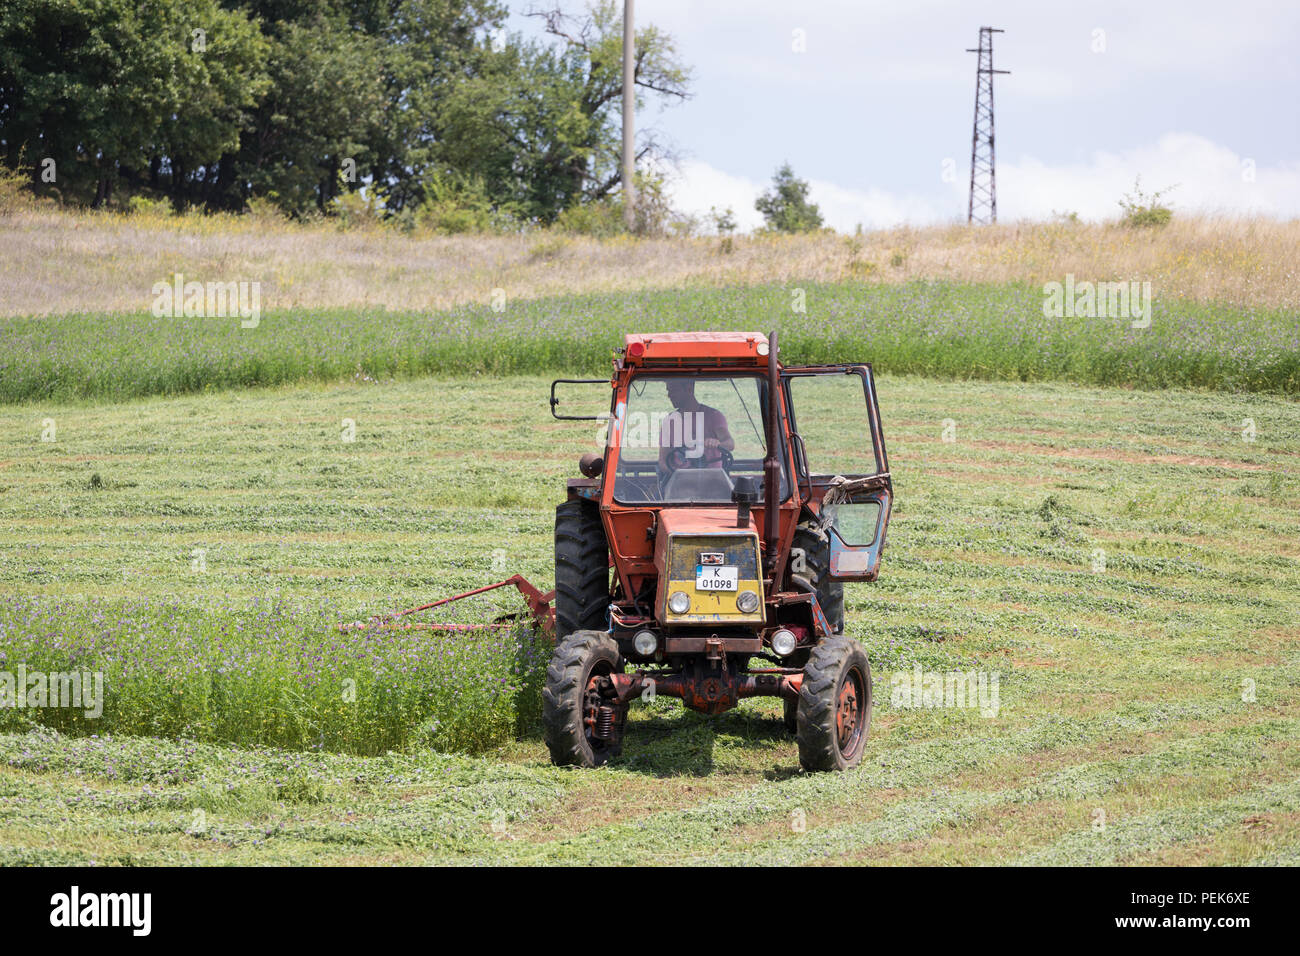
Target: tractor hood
x,y
708,568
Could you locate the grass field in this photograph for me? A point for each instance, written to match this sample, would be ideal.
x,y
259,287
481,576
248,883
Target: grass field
x,y
1126,561
944,329
54,262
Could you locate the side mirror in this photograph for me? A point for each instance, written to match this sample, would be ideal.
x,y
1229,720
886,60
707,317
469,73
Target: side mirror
x,y
743,494
555,401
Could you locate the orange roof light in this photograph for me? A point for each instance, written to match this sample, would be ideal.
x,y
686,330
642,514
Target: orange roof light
x,y
696,348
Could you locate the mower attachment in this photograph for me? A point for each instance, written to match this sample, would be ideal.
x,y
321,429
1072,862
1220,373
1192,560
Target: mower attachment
x,y
539,606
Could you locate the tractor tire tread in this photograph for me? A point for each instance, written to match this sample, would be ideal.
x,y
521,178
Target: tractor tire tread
x,y
562,698
581,568
815,717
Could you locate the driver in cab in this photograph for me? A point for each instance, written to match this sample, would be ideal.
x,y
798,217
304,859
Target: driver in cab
x,y
692,435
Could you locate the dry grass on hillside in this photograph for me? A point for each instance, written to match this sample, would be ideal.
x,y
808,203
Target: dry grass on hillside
x,y
54,261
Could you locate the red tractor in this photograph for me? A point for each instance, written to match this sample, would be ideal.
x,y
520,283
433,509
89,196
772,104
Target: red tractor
x,y
734,498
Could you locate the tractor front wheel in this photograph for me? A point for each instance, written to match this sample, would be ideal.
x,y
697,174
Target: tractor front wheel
x,y
834,715
582,719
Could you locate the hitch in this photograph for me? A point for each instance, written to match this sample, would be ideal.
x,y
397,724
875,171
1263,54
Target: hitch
x,y
539,607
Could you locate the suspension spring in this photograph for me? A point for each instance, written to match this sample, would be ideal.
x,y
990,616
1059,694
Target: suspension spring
x,y
605,723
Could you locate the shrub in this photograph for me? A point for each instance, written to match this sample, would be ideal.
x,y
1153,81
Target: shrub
x,y
357,209
264,210
1142,210
15,190
655,216
144,206
724,221
455,205
601,219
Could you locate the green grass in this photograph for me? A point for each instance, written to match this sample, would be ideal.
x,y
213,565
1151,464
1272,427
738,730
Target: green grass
x,y
275,674
949,330
1121,690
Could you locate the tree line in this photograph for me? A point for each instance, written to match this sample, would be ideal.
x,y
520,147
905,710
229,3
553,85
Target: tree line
x,y
421,111
420,104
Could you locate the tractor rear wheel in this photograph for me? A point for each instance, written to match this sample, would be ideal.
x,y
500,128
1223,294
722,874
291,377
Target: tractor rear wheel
x,y
582,721
814,571
581,568
834,714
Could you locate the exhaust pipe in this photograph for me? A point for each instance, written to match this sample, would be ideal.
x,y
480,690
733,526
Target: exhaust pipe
x,y
771,469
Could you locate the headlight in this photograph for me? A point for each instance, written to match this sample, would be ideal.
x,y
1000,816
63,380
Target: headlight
x,y
679,602
747,602
783,642
645,643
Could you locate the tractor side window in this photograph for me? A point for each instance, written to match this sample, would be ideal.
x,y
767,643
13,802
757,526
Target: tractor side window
x,y
833,419
686,439
855,523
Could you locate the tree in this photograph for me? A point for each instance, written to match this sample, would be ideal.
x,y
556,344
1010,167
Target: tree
x,y
222,76
785,207
311,135
437,61
102,87
215,102
569,130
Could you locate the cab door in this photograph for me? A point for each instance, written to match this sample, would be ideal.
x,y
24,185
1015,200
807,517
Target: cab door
x,y
843,468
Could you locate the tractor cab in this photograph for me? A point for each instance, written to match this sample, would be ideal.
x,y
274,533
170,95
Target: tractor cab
x,y
690,439
733,498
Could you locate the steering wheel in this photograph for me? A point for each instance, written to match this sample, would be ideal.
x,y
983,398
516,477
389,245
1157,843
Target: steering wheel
x,y
677,459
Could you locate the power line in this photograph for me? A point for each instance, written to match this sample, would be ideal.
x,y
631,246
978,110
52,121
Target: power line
x,y
983,206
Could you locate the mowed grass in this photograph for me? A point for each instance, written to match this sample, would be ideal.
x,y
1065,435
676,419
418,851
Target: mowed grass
x,y
942,329
1127,562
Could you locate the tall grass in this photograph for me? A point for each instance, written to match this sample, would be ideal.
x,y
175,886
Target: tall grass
x,y
273,674
56,261
943,329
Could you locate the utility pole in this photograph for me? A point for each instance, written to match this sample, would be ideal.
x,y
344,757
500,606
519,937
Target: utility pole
x,y
629,118
983,206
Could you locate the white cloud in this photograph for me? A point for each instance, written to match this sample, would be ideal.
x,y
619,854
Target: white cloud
x,y
700,186
843,208
1207,177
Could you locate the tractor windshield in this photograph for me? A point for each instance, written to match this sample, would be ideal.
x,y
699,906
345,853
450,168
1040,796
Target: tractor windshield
x,y
687,438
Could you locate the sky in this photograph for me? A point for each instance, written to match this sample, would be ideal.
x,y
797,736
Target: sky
x,y
872,103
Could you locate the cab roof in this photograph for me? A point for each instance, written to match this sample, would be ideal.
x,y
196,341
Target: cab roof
x,y
695,348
